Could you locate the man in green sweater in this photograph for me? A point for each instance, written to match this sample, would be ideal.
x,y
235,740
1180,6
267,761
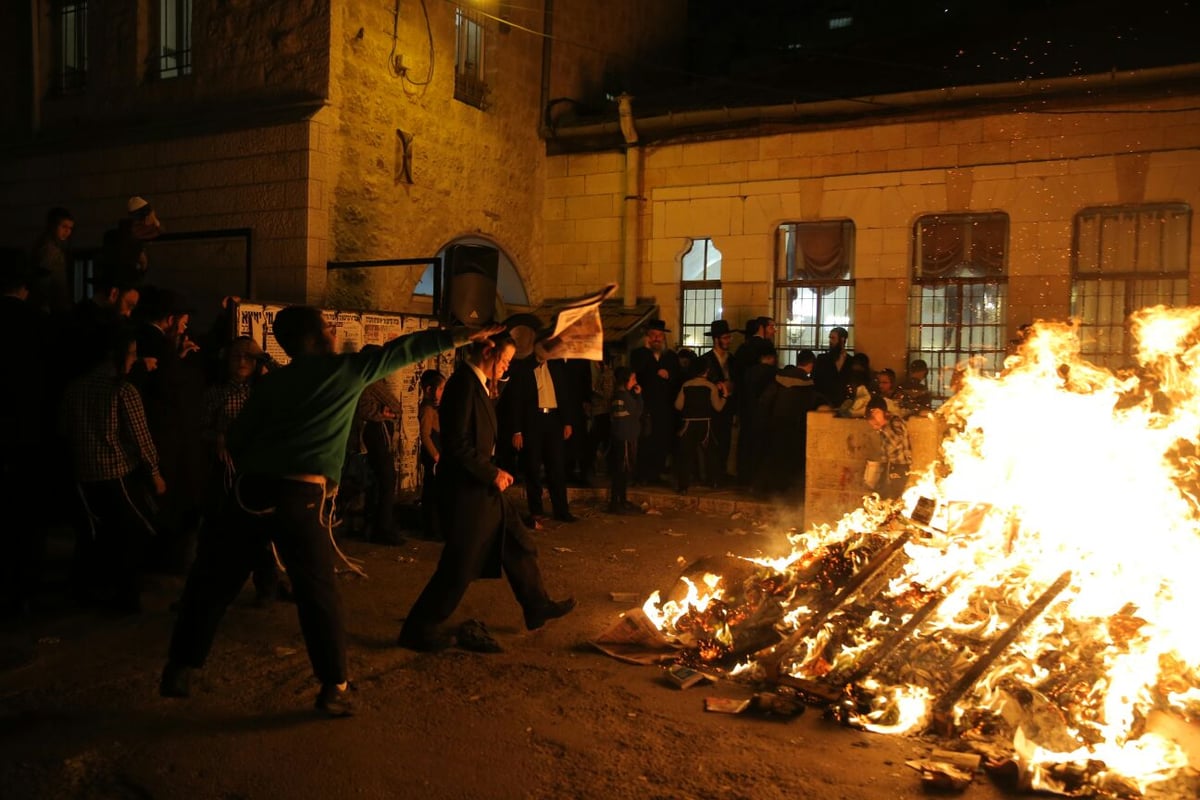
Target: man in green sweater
x,y
288,445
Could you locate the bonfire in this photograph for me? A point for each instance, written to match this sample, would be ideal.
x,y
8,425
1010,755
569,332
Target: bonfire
x,y
1033,594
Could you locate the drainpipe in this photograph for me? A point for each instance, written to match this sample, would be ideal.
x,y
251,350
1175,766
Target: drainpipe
x,y
35,69
629,221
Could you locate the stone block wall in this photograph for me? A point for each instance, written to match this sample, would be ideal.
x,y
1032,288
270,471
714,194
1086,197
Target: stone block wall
x,y
836,456
1039,168
241,179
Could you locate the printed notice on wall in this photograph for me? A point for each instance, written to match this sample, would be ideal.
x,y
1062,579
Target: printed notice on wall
x,y
353,330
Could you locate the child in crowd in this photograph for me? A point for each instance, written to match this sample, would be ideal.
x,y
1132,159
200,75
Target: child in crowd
x,y
432,384
698,400
625,413
897,453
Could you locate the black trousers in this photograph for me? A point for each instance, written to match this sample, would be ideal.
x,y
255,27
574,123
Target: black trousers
x,y
696,448
620,457
290,517
378,440
431,521
719,443
456,570
122,533
654,448
545,447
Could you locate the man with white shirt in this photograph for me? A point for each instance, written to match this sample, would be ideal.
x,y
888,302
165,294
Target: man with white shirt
x,y
543,411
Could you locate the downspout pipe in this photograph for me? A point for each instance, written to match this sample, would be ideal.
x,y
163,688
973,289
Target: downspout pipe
x,y
630,248
35,69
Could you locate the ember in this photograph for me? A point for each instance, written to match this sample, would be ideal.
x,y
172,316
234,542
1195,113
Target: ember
x,y
1044,613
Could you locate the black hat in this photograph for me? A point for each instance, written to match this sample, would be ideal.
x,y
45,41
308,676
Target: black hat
x,y
719,327
657,325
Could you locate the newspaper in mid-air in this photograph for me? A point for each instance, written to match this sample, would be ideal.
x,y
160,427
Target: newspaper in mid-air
x,y
575,330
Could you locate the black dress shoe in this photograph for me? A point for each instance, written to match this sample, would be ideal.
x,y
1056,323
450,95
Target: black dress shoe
x,y
566,517
473,635
553,609
424,641
176,681
335,701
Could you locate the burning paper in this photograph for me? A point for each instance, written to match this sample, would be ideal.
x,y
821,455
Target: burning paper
x,y
1047,603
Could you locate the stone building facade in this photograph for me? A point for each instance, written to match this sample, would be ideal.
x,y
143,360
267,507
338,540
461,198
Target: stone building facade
x,y
1056,175
274,137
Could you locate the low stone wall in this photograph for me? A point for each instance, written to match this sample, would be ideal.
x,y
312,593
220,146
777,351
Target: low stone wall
x,y
838,450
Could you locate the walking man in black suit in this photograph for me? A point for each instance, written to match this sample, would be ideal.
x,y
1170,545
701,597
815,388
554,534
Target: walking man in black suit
x,y
483,534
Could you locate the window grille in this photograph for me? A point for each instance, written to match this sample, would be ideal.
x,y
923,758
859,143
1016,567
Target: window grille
x,y
959,293
469,85
1124,259
814,285
175,38
700,294
72,46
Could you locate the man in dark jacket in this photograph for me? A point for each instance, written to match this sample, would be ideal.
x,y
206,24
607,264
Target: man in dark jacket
x,y
288,445
831,370
659,375
545,415
483,537
719,370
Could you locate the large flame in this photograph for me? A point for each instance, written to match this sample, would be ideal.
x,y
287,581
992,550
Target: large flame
x,y
1057,480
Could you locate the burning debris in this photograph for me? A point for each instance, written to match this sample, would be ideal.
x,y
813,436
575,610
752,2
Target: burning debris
x,y
1033,594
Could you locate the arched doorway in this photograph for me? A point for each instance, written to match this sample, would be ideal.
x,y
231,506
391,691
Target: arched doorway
x,y
510,289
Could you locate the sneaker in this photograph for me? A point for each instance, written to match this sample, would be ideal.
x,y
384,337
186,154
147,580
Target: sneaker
x,y
553,609
176,681
334,701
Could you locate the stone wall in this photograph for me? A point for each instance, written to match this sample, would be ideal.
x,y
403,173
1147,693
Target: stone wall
x,y
837,453
1039,168
242,179
244,52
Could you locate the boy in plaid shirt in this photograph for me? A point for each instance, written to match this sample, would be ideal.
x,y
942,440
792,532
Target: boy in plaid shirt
x,y
893,438
105,425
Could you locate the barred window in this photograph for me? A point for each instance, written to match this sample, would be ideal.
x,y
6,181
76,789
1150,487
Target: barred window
x,y
814,284
469,85
71,75
1123,259
958,296
174,38
700,293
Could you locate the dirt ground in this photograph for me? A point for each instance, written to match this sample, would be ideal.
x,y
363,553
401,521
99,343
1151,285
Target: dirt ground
x,y
547,718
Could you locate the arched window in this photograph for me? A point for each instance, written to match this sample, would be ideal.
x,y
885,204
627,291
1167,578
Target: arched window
x,y
509,286
699,293
814,284
1125,258
959,292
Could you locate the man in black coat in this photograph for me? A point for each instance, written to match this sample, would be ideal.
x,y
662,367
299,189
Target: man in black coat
x,y
832,369
660,377
483,535
545,414
719,370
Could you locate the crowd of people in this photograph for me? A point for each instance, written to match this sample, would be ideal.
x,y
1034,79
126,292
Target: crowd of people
x,y
168,451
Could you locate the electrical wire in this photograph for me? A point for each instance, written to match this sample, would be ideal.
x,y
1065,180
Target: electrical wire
x,y
403,72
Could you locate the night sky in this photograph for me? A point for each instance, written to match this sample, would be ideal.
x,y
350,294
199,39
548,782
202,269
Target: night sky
x,y
779,51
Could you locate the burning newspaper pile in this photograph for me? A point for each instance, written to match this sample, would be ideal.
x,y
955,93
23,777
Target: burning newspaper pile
x,y
1043,610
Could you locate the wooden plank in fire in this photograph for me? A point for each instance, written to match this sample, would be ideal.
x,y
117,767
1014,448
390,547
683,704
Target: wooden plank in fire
x,y
943,709
889,645
772,662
